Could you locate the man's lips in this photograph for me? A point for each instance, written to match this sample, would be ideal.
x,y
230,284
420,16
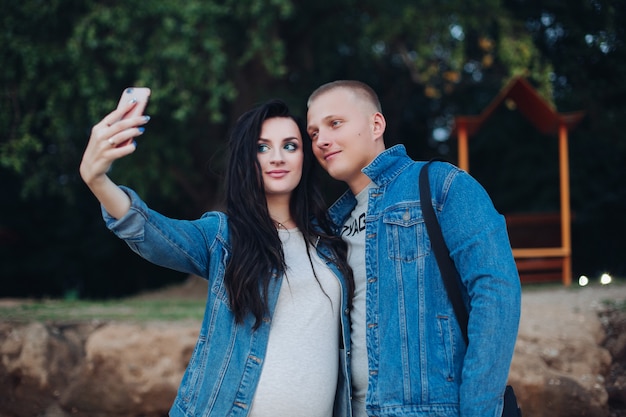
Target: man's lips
x,y
330,155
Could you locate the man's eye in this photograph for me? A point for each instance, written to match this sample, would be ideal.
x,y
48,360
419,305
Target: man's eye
x,y
262,148
313,135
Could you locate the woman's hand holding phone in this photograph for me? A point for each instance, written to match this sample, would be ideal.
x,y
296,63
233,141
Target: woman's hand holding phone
x,y
138,95
111,139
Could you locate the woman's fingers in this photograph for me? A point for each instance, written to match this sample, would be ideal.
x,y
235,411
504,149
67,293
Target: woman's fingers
x,y
115,131
110,139
122,137
117,114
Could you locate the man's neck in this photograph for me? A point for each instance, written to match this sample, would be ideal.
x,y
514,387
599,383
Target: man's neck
x,y
360,181
359,185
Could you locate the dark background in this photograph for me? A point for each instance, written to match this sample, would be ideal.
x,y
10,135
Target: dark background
x,y
63,65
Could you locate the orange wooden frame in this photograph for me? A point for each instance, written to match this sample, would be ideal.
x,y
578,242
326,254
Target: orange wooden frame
x,y
548,121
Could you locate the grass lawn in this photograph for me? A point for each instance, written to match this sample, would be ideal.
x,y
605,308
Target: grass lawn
x,y
122,310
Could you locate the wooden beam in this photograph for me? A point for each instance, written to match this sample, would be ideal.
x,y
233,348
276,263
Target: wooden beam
x,y
463,146
540,252
566,223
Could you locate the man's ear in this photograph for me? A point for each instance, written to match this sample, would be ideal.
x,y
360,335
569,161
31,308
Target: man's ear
x,y
379,124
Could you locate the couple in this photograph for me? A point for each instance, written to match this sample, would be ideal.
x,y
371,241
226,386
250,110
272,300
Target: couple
x,y
328,313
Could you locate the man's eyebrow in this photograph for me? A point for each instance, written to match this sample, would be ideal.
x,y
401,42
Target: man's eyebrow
x,y
330,117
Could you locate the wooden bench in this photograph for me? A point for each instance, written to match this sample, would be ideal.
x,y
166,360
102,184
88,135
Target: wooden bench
x,y
536,243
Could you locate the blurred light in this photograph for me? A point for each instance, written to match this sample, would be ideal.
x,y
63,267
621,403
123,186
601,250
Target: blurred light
x,y
605,279
583,281
457,32
441,134
510,104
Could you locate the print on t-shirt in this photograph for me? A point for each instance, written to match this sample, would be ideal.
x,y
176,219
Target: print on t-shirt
x,y
354,226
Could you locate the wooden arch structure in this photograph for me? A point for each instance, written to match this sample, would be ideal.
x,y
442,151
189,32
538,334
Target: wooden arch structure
x,y
548,121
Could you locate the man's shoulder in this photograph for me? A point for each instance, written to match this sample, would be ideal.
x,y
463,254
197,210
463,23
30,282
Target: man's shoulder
x,y
440,169
436,168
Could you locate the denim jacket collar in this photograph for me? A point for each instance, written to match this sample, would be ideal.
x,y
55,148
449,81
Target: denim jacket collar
x,y
387,165
382,170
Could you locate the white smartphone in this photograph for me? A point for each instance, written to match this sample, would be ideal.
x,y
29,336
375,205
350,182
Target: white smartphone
x,y
142,95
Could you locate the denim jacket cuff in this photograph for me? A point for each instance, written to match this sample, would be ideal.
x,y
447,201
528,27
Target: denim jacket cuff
x,y
131,225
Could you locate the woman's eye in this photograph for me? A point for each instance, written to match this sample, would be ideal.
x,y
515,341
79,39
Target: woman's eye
x,y
262,148
291,146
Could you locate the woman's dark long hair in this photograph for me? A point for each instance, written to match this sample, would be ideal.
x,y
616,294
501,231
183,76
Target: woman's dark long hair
x,y
256,251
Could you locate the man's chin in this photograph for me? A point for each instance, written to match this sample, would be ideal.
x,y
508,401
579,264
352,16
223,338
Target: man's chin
x,y
336,174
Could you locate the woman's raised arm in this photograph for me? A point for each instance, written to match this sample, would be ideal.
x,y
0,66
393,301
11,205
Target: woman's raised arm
x,y
110,139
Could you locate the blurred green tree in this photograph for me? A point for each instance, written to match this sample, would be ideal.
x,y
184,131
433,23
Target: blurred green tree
x,y
585,41
64,64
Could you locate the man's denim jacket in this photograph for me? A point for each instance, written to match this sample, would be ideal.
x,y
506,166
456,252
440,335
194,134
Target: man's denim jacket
x,y
419,364
226,363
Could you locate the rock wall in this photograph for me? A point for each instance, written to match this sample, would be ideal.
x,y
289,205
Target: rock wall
x,y
559,363
108,369
93,369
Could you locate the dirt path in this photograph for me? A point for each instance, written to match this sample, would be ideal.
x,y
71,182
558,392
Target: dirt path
x,y
567,312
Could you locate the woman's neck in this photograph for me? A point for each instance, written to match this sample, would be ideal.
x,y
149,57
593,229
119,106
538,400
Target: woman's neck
x,y
280,213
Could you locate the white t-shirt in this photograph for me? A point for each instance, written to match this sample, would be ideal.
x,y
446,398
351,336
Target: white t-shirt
x,y
299,376
353,233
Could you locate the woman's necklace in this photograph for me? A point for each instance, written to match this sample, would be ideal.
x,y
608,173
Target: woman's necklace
x,y
280,225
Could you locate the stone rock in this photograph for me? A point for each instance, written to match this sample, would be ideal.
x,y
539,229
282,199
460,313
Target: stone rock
x,y
561,366
614,320
36,362
96,370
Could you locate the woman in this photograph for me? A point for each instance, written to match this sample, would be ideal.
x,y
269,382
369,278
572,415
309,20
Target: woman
x,y
275,328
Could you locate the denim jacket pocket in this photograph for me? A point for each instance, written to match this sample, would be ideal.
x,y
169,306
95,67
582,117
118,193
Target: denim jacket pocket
x,y
447,347
192,379
406,232
217,285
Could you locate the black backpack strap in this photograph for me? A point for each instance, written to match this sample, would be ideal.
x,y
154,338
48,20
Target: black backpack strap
x,y
448,271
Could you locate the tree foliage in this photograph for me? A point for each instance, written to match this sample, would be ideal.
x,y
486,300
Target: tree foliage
x,y
585,42
64,64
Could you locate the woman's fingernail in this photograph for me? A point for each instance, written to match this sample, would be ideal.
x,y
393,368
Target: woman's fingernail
x,y
132,100
135,143
146,118
141,129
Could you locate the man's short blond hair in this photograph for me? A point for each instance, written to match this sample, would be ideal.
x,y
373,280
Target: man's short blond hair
x,y
358,88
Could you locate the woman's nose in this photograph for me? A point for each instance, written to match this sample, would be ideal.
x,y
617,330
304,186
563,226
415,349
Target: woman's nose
x,y
277,157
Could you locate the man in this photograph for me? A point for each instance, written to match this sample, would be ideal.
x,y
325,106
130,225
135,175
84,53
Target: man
x,y
408,354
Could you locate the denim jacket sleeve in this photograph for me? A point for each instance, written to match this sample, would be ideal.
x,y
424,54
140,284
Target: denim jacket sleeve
x,y
181,245
477,237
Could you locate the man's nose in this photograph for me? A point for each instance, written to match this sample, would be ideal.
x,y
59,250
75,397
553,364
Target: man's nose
x,y
322,140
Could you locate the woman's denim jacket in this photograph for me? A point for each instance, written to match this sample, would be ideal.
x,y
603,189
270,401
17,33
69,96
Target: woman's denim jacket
x,y
419,364
226,363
